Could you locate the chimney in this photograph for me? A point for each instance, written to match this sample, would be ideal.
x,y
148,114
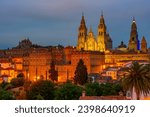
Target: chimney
x,y
83,93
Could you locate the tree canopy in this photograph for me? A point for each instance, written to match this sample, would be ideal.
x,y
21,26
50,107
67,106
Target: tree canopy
x,y
17,82
68,91
43,89
53,74
107,89
5,93
81,75
138,78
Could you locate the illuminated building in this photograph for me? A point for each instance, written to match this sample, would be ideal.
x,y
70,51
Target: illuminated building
x,y
10,68
89,42
143,45
111,72
133,41
38,64
34,60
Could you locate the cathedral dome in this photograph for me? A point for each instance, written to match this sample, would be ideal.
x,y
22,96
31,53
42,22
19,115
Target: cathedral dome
x,y
122,45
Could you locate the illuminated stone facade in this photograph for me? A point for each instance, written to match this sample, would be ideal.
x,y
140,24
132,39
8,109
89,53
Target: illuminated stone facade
x,y
134,43
94,62
34,60
88,41
10,68
144,45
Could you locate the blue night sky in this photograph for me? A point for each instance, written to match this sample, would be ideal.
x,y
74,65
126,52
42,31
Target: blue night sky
x,y
53,22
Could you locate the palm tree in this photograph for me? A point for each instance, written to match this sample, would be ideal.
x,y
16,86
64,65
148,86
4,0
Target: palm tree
x,y
137,77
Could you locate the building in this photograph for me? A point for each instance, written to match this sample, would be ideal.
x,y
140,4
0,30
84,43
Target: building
x,y
96,51
134,43
10,68
94,62
111,72
87,41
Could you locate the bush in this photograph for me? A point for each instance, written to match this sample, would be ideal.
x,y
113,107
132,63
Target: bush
x,y
68,91
6,95
17,82
43,89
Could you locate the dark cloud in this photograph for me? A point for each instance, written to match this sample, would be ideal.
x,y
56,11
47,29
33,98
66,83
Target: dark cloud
x,y
53,21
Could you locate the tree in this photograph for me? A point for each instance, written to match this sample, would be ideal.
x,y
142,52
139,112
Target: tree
x,y
21,75
81,74
110,89
107,89
68,91
5,85
43,89
6,95
93,89
53,74
17,82
138,78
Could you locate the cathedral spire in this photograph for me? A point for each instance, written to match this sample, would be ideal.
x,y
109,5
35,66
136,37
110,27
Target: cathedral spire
x,y
143,45
133,26
82,33
82,24
102,26
83,20
133,19
102,21
133,41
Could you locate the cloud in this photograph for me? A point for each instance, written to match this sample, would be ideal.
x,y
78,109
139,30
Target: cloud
x,y
50,17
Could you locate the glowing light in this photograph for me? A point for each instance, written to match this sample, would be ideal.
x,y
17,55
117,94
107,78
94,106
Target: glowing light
x,y
38,78
104,66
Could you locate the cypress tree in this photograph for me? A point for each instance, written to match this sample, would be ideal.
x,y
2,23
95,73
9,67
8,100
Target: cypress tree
x,y
81,74
53,74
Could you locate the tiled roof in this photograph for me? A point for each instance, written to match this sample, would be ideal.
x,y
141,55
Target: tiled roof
x,y
103,98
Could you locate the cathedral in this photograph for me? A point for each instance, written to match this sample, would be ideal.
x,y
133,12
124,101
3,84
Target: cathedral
x,y
134,43
87,40
103,42
97,52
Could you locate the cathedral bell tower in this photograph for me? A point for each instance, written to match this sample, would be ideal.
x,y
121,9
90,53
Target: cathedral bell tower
x,y
133,41
101,38
82,34
143,45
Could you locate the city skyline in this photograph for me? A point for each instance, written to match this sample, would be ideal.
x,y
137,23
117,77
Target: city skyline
x,y
51,22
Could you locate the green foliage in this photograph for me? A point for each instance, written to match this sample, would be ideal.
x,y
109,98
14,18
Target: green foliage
x,y
39,97
17,82
93,89
44,88
53,74
81,75
4,85
109,89
68,91
6,95
138,77
96,89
